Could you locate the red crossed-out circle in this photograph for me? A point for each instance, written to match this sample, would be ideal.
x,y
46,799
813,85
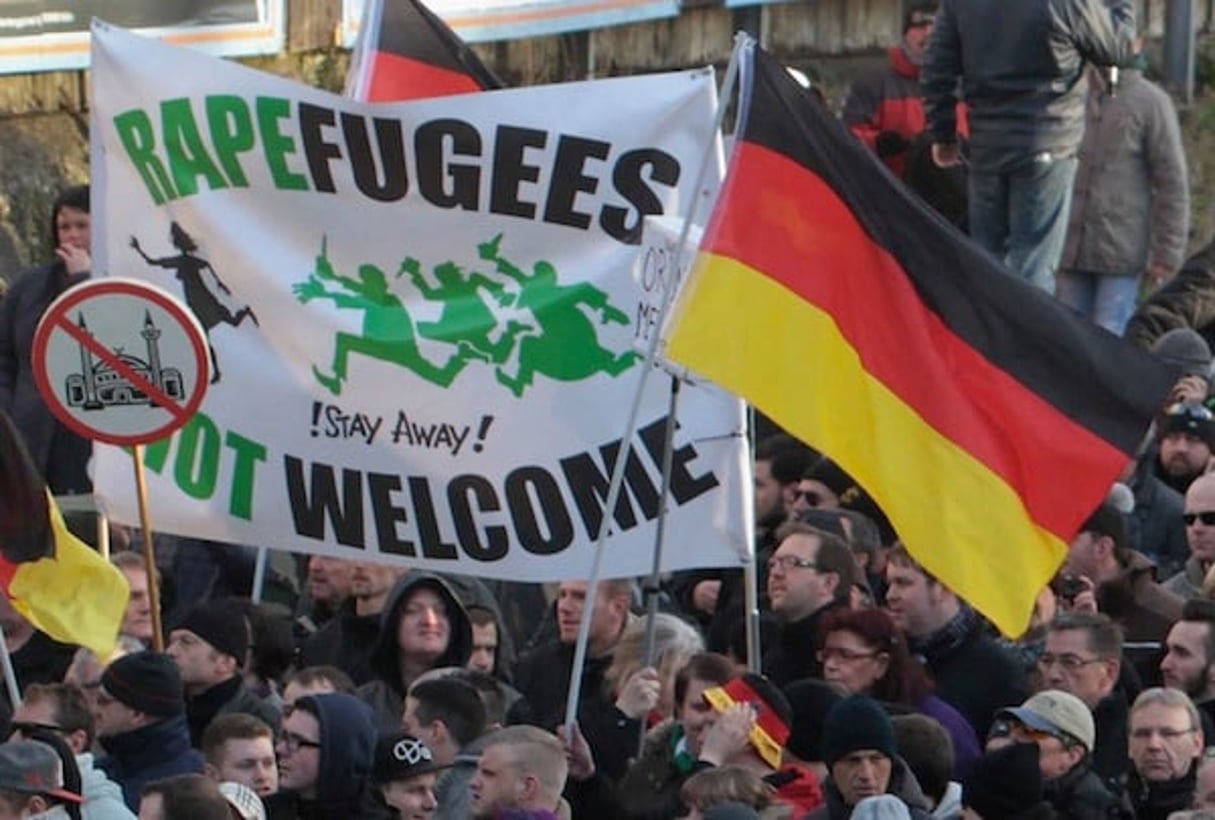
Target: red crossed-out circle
x,y
56,320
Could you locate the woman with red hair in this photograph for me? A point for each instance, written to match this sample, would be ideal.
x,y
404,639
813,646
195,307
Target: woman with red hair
x,y
863,651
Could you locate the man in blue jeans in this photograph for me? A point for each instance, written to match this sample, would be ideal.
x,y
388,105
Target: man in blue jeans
x,y
1021,68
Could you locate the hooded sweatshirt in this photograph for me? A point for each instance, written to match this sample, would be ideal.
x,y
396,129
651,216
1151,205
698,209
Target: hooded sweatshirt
x,y
386,693
344,790
102,796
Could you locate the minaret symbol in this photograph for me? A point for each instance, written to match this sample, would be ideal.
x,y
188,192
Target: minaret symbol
x,y
86,363
151,334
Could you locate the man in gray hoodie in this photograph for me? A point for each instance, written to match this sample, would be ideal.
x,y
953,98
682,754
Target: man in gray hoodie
x,y
448,715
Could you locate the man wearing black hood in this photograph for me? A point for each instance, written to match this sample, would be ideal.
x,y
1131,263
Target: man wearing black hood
x,y
326,752
424,626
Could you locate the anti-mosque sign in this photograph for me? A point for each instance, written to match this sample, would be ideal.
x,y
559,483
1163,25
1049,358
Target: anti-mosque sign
x,y
421,315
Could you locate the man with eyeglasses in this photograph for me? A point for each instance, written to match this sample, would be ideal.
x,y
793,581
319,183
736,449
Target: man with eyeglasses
x,y
1199,518
810,574
1166,742
1187,440
326,751
1062,727
62,709
1083,656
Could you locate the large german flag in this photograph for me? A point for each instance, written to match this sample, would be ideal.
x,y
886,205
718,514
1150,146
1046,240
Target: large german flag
x,y
405,52
60,584
984,418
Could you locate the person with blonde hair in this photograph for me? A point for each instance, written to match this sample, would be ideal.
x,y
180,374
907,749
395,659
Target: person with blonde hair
x,y
727,784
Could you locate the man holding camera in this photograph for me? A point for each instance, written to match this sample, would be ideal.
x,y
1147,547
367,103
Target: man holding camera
x,y
1103,573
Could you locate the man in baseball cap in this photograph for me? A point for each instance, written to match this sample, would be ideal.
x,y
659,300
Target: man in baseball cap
x,y
31,781
406,773
1062,727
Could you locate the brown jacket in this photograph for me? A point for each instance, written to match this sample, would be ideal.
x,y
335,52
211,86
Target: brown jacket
x,y
1143,608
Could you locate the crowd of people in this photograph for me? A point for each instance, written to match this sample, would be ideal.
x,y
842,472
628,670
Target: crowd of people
x,y
360,691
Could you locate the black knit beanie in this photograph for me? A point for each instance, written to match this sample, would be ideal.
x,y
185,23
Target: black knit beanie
x,y
854,724
225,628
146,682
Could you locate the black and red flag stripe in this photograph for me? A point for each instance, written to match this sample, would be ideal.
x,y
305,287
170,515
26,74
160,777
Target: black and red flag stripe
x,y
405,52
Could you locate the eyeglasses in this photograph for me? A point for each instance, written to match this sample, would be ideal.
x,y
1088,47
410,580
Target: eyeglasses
x,y
788,562
828,653
1070,663
293,742
1207,517
1146,732
1191,410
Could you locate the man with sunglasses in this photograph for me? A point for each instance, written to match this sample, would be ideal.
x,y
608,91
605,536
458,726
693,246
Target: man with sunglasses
x,y
810,574
61,709
1062,727
1199,518
141,723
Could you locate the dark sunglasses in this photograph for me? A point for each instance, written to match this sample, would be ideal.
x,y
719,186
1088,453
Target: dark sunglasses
x,y
810,497
1190,410
1207,517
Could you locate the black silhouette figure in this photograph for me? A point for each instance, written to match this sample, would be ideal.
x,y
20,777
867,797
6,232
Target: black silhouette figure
x,y
202,300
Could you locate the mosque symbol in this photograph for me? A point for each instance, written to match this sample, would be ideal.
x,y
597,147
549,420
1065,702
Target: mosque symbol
x,y
98,385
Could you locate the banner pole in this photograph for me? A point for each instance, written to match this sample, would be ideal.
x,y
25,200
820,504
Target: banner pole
x,y
10,674
626,442
149,554
751,574
654,584
259,574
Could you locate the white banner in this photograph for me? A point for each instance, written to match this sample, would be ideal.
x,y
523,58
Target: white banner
x,y
421,315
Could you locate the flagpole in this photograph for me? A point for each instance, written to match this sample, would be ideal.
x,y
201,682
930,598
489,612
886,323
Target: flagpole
x,y
751,573
149,555
626,442
653,584
10,674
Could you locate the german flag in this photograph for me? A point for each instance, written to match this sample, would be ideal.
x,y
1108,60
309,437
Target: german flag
x,y
60,584
405,52
984,417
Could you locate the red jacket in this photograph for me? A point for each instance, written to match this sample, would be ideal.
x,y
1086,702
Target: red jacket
x,y
889,99
797,786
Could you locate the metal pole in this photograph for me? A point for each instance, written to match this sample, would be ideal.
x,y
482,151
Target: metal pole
x,y
751,573
653,585
259,574
626,442
10,674
1179,49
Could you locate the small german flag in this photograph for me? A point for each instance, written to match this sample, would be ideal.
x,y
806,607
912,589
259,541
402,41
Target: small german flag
x,y
770,732
60,584
405,52
985,418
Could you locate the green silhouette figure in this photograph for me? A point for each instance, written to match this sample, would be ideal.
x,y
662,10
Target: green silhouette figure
x,y
567,347
388,329
465,316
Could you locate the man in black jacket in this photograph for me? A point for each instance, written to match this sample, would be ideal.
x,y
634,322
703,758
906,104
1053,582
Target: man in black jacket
x,y
209,648
809,575
1021,67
